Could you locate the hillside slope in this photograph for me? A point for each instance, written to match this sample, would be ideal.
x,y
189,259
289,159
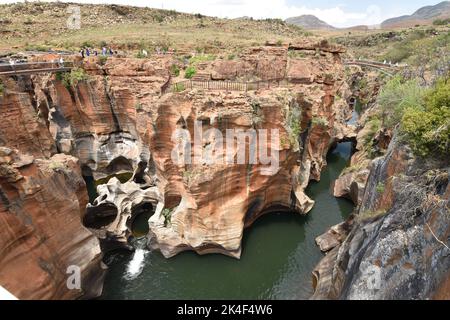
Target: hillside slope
x,y
309,22
44,25
425,15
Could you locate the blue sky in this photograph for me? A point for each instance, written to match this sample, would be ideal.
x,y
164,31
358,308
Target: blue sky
x,y
340,13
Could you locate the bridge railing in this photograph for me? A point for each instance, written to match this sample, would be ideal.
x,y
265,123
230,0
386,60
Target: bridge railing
x,y
32,66
223,85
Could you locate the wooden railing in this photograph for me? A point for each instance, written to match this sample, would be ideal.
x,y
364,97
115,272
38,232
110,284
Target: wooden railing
x,y
223,85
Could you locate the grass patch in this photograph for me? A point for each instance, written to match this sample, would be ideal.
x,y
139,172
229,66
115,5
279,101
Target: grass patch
x,y
201,58
370,214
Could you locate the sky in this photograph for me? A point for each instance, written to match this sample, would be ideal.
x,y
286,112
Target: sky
x,y
339,13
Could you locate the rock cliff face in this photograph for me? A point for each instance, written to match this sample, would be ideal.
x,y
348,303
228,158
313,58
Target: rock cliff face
x,y
119,123
396,248
41,204
210,204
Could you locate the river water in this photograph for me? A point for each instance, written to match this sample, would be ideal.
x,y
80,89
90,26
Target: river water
x,y
278,256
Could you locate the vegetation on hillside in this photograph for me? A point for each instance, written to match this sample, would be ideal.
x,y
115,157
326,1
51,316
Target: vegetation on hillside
x,y
72,78
43,26
423,114
427,127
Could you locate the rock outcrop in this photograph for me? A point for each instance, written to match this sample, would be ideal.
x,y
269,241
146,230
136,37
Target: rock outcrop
x,y
210,204
41,205
398,245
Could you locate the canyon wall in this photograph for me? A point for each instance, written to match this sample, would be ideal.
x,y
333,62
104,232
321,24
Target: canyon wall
x,y
116,126
42,202
395,248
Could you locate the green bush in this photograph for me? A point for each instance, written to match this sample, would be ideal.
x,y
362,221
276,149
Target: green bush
x,y
2,89
190,72
71,79
441,22
396,96
398,53
319,121
175,70
427,129
102,60
380,187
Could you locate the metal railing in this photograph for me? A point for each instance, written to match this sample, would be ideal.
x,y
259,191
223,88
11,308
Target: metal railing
x,y
33,67
223,85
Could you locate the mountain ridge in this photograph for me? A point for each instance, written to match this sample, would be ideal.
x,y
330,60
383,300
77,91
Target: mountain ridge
x,y
309,22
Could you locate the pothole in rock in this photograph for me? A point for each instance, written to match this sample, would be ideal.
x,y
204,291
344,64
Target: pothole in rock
x,y
138,221
101,216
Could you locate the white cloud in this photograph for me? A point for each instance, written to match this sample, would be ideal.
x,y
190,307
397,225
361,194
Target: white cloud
x,y
339,16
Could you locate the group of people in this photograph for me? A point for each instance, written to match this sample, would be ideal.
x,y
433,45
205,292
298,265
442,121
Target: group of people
x,y
87,52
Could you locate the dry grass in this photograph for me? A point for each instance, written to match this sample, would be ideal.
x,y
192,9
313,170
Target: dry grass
x,y
43,25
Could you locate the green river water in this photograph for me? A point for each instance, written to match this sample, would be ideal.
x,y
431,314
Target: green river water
x,y
278,255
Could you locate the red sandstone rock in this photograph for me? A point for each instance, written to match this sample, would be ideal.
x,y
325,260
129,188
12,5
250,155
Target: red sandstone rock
x,y
41,204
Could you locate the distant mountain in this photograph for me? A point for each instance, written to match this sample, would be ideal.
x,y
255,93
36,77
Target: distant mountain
x,y
425,15
309,22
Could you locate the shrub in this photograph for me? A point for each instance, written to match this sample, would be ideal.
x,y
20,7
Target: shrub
x,y
175,70
396,96
102,60
167,214
293,125
179,87
87,44
140,55
318,121
441,22
2,89
380,187
427,129
190,72
71,79
398,53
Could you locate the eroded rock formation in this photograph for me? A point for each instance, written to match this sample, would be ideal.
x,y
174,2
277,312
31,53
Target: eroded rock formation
x,y
396,248
41,236
119,123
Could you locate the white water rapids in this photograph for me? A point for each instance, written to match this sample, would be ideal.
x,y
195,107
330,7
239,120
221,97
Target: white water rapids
x,y
136,264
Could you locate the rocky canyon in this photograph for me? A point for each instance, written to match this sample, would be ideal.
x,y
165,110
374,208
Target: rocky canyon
x,y
114,128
